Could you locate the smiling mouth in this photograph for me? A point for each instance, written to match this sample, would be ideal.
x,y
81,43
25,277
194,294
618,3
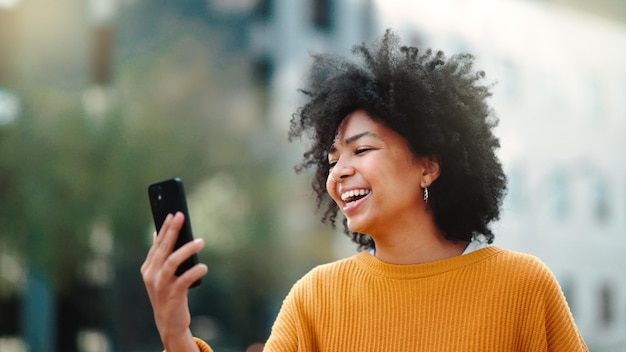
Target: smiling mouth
x,y
354,195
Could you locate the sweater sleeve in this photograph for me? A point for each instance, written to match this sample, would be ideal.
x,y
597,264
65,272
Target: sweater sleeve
x,y
561,330
203,346
283,336
292,330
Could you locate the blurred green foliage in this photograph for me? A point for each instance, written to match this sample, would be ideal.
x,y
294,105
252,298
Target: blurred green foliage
x,y
78,159
63,167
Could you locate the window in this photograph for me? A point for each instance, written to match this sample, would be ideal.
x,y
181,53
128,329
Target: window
x,y
263,69
606,312
600,200
322,14
264,9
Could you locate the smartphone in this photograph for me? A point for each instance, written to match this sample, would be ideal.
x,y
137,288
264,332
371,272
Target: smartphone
x,y
168,197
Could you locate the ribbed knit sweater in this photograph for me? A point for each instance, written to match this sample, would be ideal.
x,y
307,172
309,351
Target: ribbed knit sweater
x,y
488,300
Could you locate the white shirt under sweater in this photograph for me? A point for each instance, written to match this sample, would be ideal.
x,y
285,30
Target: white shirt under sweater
x,y
474,245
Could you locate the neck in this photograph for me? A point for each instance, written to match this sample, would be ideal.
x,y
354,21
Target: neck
x,y
426,244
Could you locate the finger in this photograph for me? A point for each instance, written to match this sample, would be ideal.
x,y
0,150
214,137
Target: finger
x,y
169,234
157,241
190,276
182,254
157,238
153,246
162,246
149,257
164,227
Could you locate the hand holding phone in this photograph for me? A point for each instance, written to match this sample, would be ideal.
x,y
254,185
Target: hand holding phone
x,y
168,197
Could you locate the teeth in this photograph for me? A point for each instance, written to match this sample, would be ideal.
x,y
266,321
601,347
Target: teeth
x,y
353,193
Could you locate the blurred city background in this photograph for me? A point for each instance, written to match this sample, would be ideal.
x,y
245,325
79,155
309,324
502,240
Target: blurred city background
x,y
99,98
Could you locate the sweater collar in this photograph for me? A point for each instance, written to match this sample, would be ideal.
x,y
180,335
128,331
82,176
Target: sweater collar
x,y
377,267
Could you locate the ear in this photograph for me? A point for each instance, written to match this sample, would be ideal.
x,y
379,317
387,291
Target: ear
x,y
431,169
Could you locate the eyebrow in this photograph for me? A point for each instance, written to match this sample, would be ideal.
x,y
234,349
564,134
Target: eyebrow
x,y
354,138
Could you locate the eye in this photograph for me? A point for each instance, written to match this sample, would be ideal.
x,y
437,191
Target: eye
x,y
361,150
332,163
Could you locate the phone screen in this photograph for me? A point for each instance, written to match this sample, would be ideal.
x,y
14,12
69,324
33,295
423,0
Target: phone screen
x,y
168,197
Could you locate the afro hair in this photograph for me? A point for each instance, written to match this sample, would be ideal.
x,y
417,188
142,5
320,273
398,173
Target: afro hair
x,y
438,104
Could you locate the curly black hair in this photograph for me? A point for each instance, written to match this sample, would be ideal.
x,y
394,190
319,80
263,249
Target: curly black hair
x,y
438,104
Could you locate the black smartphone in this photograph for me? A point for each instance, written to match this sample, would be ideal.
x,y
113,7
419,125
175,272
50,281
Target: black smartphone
x,y
168,197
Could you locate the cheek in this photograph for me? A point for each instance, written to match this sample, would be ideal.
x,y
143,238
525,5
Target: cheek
x,y
331,188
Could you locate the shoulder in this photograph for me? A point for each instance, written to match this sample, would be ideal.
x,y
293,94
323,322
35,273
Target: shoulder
x,y
326,276
331,271
523,269
508,260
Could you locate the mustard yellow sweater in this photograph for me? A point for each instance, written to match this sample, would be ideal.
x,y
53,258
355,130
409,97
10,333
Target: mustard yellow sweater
x,y
488,300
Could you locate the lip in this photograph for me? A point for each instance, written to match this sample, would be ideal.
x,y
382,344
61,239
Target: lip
x,y
352,206
351,191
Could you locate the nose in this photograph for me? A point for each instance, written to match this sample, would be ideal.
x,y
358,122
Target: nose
x,y
341,171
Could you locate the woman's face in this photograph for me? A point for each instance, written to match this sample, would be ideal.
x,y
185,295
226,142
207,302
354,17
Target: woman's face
x,y
374,177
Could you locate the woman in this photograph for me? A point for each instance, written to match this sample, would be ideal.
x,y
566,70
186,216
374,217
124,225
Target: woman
x,y
402,143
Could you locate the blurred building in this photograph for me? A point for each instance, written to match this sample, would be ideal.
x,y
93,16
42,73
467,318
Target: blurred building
x,y
291,31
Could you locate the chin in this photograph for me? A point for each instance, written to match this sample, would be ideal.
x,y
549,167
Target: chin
x,y
356,227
